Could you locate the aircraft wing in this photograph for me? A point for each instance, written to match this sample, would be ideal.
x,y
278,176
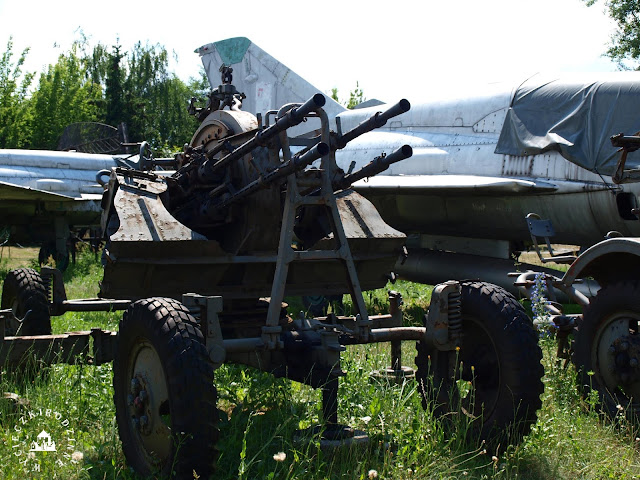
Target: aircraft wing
x,y
10,191
454,184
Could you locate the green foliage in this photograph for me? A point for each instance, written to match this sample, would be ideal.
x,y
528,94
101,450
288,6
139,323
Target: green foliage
x,y
114,90
97,84
151,101
15,114
63,96
356,97
625,42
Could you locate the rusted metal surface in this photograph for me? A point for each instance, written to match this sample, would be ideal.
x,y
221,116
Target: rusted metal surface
x,y
70,348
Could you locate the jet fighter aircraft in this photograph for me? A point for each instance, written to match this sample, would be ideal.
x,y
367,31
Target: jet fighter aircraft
x,y
483,159
45,193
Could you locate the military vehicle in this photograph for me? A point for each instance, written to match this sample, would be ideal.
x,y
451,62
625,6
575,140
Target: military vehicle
x,y
201,260
603,341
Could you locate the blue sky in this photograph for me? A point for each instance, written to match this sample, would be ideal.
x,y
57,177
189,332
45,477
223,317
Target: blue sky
x,y
393,49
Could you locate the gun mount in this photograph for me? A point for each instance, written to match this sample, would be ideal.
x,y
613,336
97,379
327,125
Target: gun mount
x,y
237,194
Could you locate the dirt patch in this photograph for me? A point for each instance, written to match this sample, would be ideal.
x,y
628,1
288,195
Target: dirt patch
x,y
17,257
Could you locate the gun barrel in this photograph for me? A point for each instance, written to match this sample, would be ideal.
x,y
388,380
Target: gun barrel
x,y
377,120
292,118
377,165
298,162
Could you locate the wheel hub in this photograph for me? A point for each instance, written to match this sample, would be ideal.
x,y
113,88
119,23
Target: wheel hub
x,y
148,404
624,356
139,406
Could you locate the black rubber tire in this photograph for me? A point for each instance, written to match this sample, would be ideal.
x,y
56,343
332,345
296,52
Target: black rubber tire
x,y
158,339
612,314
24,291
499,342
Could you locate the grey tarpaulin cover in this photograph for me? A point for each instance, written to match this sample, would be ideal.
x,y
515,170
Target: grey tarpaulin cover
x,y
575,118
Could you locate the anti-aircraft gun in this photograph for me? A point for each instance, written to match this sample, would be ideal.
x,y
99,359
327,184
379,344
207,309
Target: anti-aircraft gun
x,y
202,257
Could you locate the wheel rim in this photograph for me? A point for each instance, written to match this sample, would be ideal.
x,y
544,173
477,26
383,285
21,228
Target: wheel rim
x,y
148,401
13,325
480,366
616,354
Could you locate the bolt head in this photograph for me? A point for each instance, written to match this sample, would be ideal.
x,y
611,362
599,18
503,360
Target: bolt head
x,y
144,421
633,362
143,396
135,386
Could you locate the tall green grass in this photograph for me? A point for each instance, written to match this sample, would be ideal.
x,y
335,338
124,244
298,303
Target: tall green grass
x,y
260,416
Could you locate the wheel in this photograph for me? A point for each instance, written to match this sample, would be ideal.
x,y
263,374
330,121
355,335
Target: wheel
x,y
499,358
25,293
606,348
163,390
49,249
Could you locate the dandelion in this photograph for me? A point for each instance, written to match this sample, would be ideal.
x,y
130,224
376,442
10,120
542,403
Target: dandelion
x,y
280,457
372,474
366,419
77,457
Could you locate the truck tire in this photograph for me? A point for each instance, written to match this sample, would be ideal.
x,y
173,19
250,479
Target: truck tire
x,y
163,391
606,348
499,358
25,293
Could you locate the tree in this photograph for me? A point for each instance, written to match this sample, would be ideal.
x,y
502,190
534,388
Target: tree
x,y
101,85
115,112
151,101
64,96
14,104
625,42
356,97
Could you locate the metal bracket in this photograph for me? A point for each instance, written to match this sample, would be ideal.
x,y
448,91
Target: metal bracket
x,y
208,309
443,321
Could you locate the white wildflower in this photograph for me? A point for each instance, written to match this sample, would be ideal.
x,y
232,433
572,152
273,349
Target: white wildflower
x,y
280,457
372,474
77,457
